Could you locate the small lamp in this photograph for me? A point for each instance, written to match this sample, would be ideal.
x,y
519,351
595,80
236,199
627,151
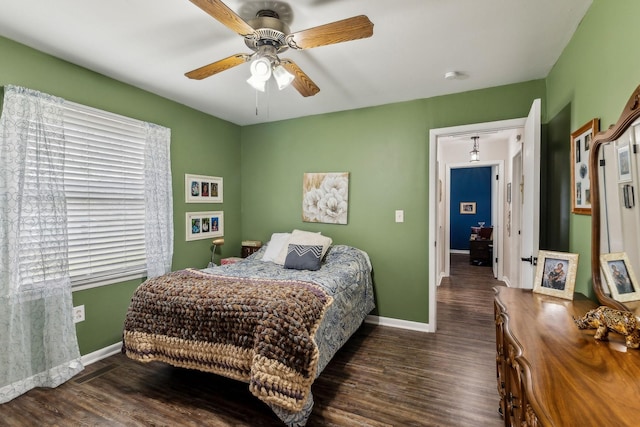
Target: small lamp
x,y
216,242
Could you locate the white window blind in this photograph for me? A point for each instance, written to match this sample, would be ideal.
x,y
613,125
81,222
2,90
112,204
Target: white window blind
x,y
104,188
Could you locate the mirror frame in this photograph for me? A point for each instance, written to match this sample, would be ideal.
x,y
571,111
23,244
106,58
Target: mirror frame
x,y
629,115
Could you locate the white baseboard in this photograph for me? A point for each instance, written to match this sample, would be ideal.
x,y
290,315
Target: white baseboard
x,y
398,323
103,353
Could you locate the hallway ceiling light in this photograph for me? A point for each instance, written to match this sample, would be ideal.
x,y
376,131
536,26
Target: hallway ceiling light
x,y
475,153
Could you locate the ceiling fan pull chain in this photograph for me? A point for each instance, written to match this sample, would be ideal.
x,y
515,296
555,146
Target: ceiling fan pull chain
x,y
256,102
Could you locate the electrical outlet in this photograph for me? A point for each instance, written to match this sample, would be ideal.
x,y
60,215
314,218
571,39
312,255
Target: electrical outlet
x,y
78,314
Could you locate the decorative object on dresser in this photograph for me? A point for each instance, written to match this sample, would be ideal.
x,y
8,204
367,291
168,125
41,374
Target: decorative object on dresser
x,y
204,225
556,274
202,189
550,373
325,197
250,246
604,319
580,149
620,277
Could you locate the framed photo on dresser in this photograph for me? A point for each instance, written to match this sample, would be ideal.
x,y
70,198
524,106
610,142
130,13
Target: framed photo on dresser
x,y
556,274
620,277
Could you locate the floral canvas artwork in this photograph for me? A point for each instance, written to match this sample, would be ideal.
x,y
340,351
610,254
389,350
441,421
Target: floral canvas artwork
x,y
325,197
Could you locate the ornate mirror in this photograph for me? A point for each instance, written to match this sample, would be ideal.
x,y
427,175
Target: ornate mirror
x,y
615,186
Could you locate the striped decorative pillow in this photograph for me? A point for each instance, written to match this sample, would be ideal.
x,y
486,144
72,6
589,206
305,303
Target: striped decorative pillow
x,y
303,257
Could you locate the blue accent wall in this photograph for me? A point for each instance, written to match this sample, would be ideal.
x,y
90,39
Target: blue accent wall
x,y
469,185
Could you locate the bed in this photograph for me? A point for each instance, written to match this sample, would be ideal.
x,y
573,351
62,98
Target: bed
x,y
256,321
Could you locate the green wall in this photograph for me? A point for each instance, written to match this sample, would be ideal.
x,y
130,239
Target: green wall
x,y
384,148
200,144
596,74
386,151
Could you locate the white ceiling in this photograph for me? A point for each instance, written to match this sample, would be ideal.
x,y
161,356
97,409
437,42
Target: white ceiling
x,y
152,43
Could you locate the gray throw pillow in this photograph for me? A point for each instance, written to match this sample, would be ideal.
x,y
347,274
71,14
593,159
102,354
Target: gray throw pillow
x,y
303,257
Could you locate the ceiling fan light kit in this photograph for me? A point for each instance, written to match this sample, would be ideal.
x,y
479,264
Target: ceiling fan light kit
x,y
282,76
267,35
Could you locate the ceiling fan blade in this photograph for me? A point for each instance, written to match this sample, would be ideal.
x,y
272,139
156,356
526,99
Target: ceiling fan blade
x,y
226,16
302,82
218,66
357,27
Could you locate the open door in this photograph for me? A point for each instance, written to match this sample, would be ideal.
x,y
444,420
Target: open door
x,y
530,225
496,212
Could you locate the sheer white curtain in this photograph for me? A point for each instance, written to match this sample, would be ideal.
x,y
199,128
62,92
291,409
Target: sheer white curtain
x,y
158,201
37,334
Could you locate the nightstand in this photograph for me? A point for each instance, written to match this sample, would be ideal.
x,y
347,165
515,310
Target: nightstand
x,y
250,246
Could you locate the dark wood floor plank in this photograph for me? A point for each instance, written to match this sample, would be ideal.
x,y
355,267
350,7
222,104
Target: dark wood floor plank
x,y
382,377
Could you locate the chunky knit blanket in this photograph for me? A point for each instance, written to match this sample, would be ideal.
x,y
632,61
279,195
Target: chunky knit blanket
x,y
254,330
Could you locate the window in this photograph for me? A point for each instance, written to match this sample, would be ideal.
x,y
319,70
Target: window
x,y
85,195
104,182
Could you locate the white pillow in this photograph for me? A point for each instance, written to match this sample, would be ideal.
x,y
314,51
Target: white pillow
x,y
275,245
299,237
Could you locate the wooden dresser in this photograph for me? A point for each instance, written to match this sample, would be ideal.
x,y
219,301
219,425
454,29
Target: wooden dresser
x,y
550,373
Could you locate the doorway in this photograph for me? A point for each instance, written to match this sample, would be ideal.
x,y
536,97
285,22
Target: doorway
x,y
495,213
493,153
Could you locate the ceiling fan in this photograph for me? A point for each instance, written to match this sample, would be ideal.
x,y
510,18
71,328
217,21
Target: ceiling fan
x,y
268,35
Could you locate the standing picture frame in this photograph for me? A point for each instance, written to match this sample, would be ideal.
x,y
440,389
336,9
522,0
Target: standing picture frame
x,y
202,189
580,183
556,274
620,277
204,225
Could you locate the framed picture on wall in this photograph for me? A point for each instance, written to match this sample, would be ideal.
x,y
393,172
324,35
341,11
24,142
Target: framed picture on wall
x,y
202,189
204,225
580,150
467,208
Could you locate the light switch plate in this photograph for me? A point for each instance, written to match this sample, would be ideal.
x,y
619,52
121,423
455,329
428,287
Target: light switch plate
x,y
399,216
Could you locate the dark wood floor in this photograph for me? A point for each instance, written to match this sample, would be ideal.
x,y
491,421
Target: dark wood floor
x,y
382,377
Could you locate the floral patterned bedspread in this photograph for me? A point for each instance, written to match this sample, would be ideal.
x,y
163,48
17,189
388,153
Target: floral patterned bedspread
x,y
345,275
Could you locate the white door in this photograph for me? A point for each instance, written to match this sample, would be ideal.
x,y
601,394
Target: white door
x,y
530,226
496,213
